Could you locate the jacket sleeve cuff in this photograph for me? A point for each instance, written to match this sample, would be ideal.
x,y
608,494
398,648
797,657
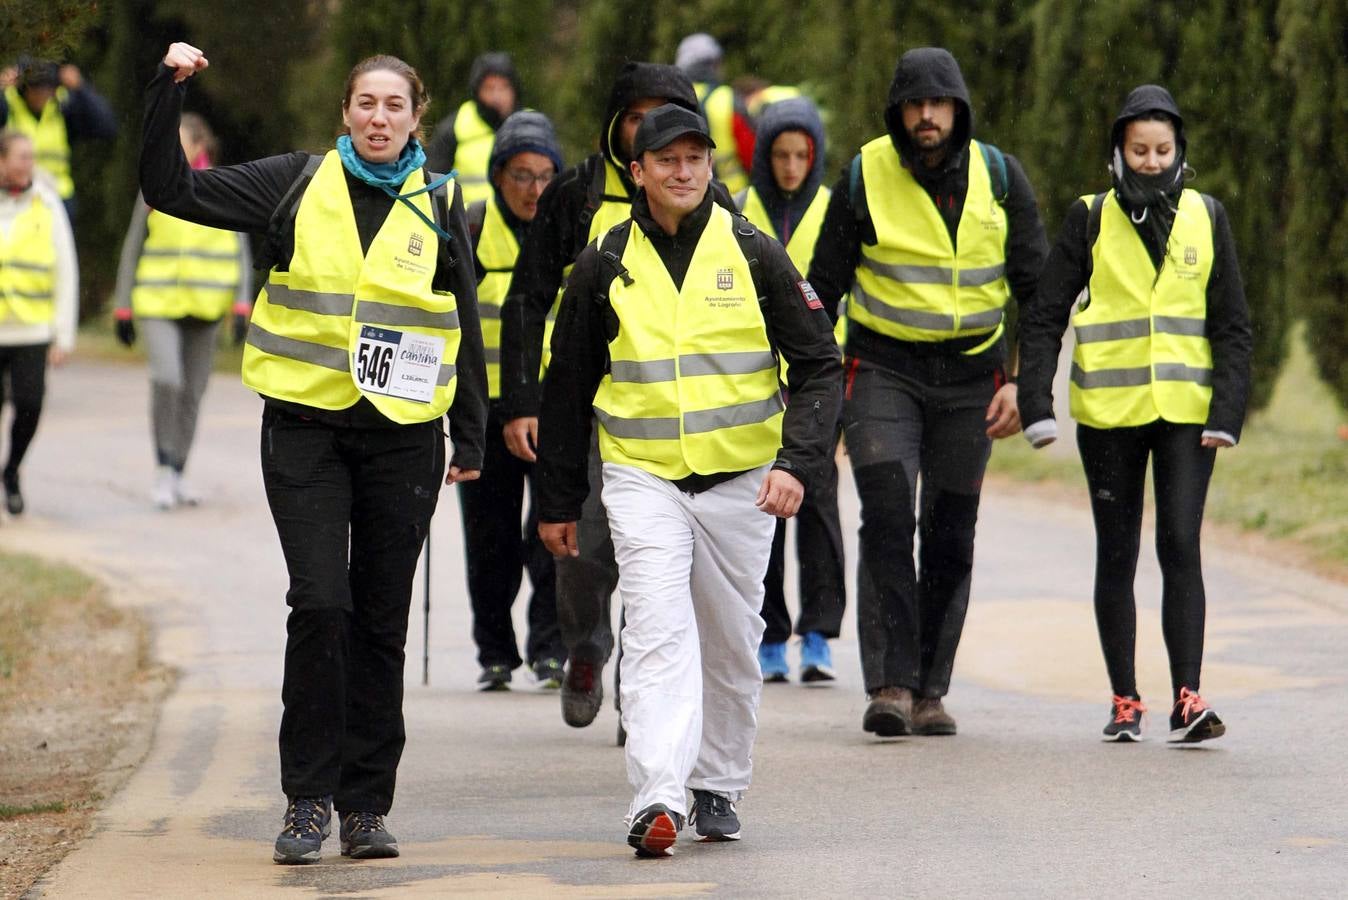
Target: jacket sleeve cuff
x,y
1224,435
1042,433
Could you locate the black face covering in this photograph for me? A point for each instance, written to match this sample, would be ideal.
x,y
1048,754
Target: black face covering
x,y
1150,200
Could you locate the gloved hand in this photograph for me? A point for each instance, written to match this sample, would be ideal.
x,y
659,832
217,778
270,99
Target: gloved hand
x,y
126,330
240,324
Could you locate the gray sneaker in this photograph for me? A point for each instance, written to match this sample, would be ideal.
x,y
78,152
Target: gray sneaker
x,y
308,820
713,818
364,837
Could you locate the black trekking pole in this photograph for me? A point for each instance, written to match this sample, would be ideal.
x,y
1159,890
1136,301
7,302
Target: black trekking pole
x,y
426,615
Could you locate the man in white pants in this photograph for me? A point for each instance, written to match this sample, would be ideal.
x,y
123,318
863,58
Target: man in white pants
x,y
669,335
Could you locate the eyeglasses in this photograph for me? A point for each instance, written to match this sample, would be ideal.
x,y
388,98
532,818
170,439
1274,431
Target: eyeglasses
x,y
524,179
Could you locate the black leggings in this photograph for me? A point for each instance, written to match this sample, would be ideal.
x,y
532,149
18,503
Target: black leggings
x,y
1115,460
24,370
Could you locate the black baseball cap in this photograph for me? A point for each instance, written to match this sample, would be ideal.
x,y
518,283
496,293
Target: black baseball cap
x,y
666,124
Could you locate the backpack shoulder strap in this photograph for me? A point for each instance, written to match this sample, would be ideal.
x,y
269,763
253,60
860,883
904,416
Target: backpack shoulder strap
x,y
477,218
1093,216
283,217
440,204
996,163
611,248
747,236
594,196
1211,205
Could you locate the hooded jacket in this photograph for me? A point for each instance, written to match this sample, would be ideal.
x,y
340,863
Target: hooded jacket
x,y
927,72
444,145
557,235
1065,273
795,114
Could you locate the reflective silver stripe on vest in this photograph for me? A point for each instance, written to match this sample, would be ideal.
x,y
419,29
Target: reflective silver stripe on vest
x,y
910,317
492,355
194,254
317,302
1181,372
738,363
642,429
1113,331
488,310
30,295
1135,377
651,371
174,282
371,312
750,413
1182,325
470,179
980,277
304,351
988,318
447,373
910,274
26,266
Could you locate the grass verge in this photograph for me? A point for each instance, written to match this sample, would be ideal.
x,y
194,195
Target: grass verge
x,y
1287,480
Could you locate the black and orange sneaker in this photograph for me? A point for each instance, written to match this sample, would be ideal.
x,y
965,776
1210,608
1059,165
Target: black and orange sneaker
x,y
1192,720
654,831
1125,720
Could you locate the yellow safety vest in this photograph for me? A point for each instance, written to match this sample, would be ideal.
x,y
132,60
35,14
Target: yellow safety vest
x,y
800,247
312,325
28,267
1142,350
472,156
692,381
610,213
185,269
913,285
719,105
50,142
497,250
769,95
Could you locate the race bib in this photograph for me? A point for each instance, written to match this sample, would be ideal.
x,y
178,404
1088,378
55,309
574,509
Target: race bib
x,y
397,363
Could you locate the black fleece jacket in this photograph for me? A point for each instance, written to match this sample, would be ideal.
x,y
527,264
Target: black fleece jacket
x,y
928,72
800,333
243,198
1228,323
557,235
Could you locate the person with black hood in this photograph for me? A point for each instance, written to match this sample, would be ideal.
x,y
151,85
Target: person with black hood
x,y
1147,274
524,159
933,233
580,205
57,107
462,143
669,337
787,199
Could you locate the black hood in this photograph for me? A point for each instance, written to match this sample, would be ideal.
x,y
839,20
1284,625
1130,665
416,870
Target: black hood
x,y
1142,100
636,80
929,72
794,114
493,64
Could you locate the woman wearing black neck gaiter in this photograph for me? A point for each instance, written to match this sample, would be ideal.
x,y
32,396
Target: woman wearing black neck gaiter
x,y
1147,274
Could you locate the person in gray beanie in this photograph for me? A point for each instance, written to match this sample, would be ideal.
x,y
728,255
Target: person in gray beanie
x,y
463,142
524,159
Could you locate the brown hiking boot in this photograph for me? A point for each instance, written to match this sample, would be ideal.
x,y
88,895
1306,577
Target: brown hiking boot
x,y
890,713
930,717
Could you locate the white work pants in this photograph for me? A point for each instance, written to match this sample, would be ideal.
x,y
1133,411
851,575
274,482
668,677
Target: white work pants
x,y
690,573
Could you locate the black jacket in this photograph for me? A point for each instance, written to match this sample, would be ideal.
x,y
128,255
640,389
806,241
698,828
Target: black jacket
x,y
1064,276
799,331
928,72
243,198
785,211
559,232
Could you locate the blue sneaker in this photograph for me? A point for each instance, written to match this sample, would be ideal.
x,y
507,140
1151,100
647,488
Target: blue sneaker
x,y
772,660
816,660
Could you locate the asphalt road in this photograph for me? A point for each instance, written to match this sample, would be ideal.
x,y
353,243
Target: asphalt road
x,y
499,798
